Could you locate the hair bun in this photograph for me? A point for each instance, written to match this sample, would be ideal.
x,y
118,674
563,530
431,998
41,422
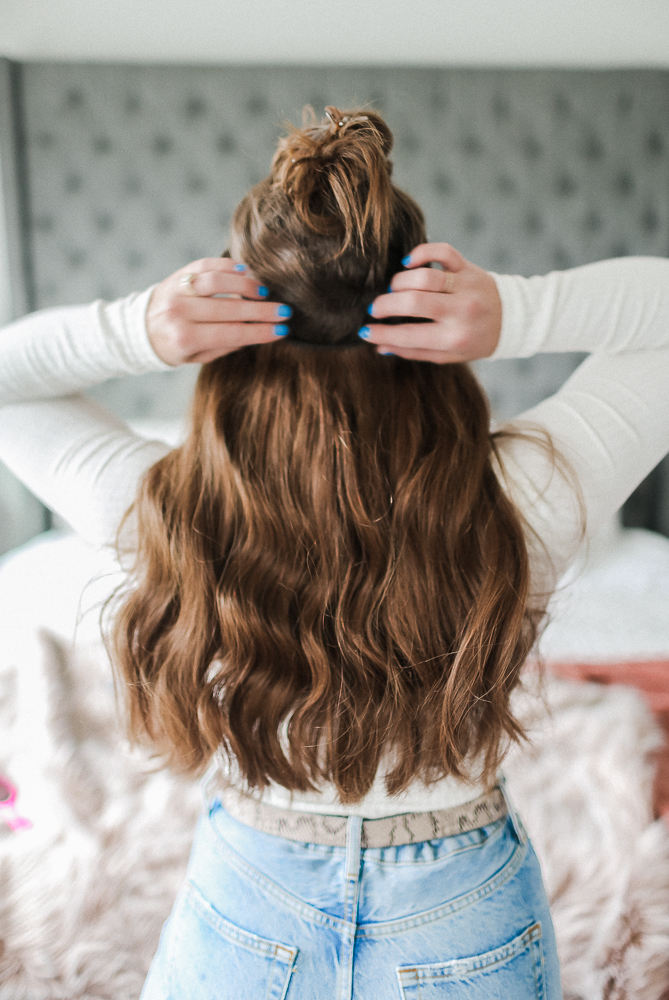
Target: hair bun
x,y
336,174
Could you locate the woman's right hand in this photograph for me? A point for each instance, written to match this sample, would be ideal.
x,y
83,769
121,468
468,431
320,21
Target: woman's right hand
x,y
186,322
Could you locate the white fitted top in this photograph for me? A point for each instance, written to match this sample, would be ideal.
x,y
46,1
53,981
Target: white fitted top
x,y
610,421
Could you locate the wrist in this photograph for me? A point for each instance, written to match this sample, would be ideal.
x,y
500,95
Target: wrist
x,y
128,318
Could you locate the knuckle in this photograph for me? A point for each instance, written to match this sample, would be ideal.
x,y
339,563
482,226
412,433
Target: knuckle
x,y
180,346
470,307
182,339
459,343
413,302
174,311
205,284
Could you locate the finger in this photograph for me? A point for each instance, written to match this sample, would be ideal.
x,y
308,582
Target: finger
x,y
426,336
428,305
208,283
425,279
215,341
199,309
222,264
415,336
439,253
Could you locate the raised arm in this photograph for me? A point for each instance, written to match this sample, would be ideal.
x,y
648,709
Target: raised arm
x,y
79,458
610,420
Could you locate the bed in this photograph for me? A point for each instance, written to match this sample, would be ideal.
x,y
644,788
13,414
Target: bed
x,y
86,889
524,171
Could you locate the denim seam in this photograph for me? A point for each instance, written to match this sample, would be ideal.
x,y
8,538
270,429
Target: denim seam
x,y
539,973
240,938
353,864
291,902
237,935
379,930
483,964
391,927
173,949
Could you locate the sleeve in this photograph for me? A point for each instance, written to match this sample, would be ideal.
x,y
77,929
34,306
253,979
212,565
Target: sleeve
x,y
76,456
609,423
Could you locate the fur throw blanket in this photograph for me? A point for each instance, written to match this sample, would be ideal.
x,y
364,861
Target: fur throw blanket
x,y
83,895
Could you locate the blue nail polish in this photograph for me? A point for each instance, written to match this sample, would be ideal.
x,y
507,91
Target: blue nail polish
x,y
364,332
390,288
239,267
370,309
284,311
262,290
281,330
406,260
387,354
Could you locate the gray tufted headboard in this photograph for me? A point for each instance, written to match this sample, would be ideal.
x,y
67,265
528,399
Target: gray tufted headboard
x,y
116,175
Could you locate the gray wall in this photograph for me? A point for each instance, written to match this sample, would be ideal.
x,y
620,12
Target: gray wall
x,y
124,173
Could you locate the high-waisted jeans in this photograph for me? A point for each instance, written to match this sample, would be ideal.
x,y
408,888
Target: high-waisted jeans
x,y
263,918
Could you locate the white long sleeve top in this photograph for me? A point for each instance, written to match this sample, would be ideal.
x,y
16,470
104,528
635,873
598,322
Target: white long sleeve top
x,y
610,421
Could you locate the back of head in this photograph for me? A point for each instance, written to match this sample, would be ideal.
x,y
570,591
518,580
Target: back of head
x,y
329,575
327,229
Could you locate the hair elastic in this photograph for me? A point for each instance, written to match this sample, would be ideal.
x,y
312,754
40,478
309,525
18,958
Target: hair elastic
x,y
311,345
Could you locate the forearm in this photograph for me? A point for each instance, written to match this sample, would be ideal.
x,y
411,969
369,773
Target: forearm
x,y
81,460
56,352
611,306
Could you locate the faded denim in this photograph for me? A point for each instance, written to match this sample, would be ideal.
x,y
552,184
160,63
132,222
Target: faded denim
x,y
263,918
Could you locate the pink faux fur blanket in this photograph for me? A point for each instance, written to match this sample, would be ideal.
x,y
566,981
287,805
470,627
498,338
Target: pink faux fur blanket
x,y
651,679
83,895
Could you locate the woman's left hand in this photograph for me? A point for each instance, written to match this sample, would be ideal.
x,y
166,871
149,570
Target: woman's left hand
x,y
462,301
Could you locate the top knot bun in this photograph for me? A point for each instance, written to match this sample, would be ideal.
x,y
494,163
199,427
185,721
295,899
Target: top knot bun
x,y
327,229
336,175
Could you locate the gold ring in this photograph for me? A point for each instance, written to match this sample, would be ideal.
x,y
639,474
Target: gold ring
x,y
449,282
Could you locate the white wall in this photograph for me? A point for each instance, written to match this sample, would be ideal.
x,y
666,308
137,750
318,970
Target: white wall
x,y
594,33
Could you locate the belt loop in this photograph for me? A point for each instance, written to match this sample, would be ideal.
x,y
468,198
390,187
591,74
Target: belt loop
x,y
353,838
515,818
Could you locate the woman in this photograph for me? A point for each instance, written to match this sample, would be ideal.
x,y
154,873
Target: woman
x,y
334,582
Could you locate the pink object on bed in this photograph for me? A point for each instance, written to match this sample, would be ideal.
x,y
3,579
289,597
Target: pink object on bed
x,y
651,678
8,813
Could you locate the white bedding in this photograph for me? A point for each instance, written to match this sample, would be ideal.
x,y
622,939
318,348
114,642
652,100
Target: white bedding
x,y
84,893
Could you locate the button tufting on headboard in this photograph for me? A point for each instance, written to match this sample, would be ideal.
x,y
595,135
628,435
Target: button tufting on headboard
x,y
133,171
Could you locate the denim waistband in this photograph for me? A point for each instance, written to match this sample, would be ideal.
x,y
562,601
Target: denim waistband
x,y
388,831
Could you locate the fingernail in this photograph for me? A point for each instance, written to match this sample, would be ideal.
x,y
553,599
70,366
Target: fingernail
x,y
387,354
406,260
370,309
281,329
390,288
364,332
240,267
284,311
262,290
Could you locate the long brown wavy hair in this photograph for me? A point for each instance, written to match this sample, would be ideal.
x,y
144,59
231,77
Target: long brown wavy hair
x,y
329,576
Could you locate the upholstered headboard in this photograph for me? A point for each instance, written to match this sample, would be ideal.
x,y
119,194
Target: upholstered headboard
x,y
116,175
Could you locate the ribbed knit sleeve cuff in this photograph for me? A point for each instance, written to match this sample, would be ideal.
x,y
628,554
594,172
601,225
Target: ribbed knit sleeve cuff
x,y
125,320
522,319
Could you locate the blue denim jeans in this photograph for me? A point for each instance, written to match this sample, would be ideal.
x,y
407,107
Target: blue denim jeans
x,y
263,918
